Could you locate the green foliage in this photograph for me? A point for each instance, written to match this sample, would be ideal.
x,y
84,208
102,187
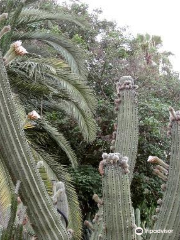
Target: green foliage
x,y
87,181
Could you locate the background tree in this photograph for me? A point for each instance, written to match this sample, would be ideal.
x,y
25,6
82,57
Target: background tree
x,y
114,53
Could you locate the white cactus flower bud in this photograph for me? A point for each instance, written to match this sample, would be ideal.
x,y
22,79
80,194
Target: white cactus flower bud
x,y
104,155
33,115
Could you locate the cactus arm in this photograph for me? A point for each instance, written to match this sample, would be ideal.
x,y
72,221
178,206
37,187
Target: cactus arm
x,y
20,163
169,215
138,221
97,234
127,125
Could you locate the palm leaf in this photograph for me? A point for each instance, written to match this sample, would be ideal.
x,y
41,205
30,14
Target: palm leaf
x,y
73,84
78,101
71,53
60,140
31,15
5,196
84,119
53,73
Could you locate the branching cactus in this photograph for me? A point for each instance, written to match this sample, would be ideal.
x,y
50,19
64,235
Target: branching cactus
x,y
126,130
18,159
168,210
117,170
115,218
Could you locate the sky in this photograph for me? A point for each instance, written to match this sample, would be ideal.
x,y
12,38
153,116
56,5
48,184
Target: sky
x,y
156,17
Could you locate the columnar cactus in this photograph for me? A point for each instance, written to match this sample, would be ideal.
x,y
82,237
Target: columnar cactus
x,y
118,216
126,129
19,161
117,169
168,211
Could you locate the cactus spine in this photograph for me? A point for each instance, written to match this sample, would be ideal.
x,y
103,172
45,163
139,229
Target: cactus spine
x,y
20,163
127,125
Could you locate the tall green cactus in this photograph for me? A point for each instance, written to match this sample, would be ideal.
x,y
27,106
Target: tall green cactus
x,y
118,215
19,161
117,172
115,218
168,212
126,135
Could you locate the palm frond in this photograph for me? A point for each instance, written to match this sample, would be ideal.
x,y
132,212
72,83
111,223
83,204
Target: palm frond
x,y
27,2
33,89
71,53
79,101
52,72
56,171
73,84
84,119
31,15
60,140
5,196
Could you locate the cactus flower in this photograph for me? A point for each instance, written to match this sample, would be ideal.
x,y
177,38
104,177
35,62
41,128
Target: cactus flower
x,y
15,50
33,115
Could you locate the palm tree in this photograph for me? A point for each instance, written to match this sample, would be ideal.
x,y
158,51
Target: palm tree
x,y
61,89
51,76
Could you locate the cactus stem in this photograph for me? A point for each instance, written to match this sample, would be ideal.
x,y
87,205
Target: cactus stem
x,y
3,16
154,159
159,174
5,30
97,199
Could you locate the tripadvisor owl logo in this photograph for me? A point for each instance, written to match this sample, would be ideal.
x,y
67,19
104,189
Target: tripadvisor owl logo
x,y
139,231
